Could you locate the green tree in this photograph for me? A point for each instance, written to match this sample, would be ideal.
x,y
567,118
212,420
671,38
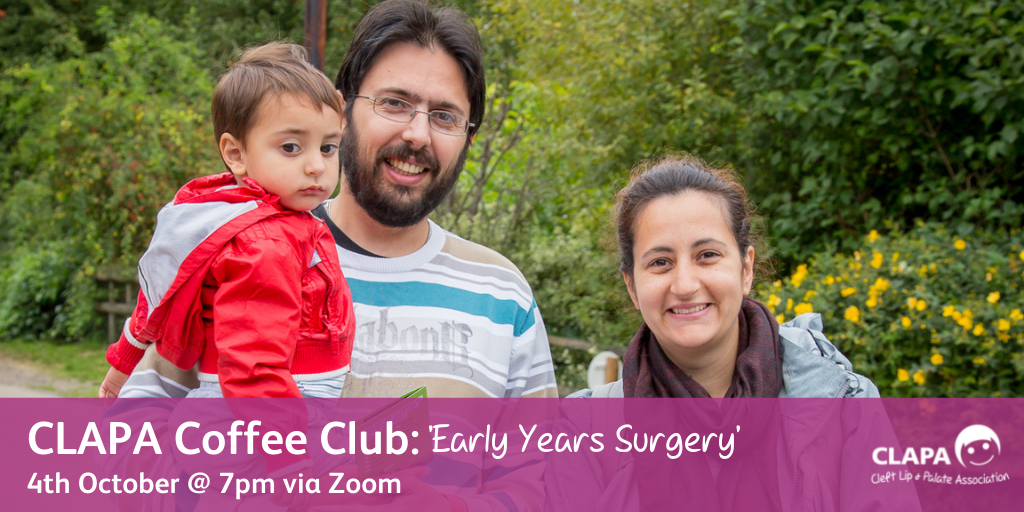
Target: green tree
x,y
871,110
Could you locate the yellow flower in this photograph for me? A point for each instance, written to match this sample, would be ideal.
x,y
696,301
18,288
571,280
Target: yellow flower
x,y
1003,325
809,295
921,305
978,360
881,284
919,377
871,302
873,235
912,302
799,275
979,330
1021,255
1016,315
948,311
902,375
829,280
789,304
895,256
803,307
780,318
906,322
992,297
876,259
936,359
960,244
773,300
846,292
852,314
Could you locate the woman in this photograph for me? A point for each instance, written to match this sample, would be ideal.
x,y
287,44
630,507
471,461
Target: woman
x,y
688,259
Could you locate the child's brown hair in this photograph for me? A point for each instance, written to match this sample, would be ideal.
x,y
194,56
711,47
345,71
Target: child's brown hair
x,y
276,69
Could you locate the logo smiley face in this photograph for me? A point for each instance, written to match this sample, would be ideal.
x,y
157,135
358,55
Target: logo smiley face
x,y
977,445
980,452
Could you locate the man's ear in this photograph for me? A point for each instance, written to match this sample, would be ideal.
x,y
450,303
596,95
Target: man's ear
x,y
343,105
632,290
233,153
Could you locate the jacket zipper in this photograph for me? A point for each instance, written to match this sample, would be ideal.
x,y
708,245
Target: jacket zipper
x,y
814,434
326,317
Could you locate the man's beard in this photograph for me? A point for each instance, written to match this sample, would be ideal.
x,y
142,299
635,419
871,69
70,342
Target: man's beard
x,y
391,204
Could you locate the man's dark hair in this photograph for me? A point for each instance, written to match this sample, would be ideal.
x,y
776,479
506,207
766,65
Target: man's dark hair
x,y
407,21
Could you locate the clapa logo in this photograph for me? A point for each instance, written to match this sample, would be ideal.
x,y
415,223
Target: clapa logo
x,y
981,443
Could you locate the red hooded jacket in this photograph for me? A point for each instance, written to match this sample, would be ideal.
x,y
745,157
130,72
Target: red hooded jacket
x,y
248,289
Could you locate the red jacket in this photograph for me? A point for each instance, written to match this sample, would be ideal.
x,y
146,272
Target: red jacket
x,y
248,289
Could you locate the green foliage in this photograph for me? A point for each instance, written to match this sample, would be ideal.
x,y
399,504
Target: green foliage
x,y
587,89
838,115
926,313
69,28
34,283
98,143
873,110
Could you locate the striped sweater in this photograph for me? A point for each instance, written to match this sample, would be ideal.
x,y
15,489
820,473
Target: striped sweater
x,y
454,316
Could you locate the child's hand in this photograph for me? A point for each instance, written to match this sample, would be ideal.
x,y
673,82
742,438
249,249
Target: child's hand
x,y
112,383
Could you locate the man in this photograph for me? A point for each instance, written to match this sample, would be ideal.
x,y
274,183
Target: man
x,y
432,309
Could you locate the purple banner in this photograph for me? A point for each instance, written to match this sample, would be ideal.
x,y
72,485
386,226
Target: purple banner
x,y
476,454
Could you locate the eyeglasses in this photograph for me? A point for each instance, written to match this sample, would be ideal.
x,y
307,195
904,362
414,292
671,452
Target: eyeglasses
x,y
401,111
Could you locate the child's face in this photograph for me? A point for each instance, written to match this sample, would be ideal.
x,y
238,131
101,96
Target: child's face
x,y
291,151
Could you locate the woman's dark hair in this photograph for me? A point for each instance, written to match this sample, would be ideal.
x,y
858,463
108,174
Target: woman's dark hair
x,y
675,174
406,21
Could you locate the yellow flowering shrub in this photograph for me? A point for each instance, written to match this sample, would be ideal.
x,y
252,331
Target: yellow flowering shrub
x,y
929,312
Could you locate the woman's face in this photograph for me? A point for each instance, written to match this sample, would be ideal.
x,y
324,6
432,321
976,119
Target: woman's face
x,y
689,277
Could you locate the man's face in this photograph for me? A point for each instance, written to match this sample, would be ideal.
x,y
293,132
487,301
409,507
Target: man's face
x,y
400,171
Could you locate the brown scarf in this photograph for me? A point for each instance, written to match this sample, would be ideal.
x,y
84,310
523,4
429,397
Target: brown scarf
x,y
749,479
649,373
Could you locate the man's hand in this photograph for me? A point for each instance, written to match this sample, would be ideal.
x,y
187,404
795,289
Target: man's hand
x,y
112,383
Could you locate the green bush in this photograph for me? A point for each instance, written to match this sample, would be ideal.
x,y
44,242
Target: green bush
x,y
34,284
880,109
97,144
926,313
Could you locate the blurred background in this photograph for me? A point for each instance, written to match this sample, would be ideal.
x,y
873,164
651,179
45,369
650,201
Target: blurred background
x,y
881,141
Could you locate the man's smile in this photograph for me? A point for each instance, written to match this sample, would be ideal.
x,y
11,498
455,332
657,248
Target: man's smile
x,y
405,168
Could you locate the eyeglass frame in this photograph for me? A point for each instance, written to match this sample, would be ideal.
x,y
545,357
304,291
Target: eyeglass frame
x,y
373,102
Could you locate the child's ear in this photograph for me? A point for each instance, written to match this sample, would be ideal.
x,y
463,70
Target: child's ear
x,y
233,154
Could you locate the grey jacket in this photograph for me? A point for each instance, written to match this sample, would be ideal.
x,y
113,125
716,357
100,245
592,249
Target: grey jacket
x,y
814,436
812,367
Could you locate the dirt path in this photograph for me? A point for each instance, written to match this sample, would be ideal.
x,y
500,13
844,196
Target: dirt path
x,y
24,379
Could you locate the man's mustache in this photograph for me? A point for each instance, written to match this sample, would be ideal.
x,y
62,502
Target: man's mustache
x,y
406,152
